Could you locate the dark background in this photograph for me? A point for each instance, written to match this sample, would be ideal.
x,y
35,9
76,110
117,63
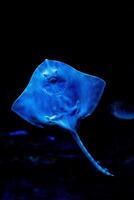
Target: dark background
x,y
47,164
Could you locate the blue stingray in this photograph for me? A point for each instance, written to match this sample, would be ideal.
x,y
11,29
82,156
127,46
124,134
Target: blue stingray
x,y
58,94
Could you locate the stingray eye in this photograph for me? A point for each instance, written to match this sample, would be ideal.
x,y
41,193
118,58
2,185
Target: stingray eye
x,y
44,74
54,85
55,70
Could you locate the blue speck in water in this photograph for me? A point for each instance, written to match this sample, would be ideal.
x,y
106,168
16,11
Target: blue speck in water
x,y
122,110
51,138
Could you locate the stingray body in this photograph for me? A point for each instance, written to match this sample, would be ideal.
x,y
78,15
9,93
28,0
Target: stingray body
x,y
58,94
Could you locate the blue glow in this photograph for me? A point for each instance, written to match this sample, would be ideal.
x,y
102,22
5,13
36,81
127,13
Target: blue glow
x,y
18,132
123,110
58,94
14,133
51,138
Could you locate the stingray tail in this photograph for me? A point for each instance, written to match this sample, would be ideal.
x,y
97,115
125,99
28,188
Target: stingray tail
x,y
88,155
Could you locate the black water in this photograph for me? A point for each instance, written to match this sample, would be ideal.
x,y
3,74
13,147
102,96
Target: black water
x,y
47,164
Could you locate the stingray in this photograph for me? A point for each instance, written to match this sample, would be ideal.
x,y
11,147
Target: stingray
x,y
58,94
